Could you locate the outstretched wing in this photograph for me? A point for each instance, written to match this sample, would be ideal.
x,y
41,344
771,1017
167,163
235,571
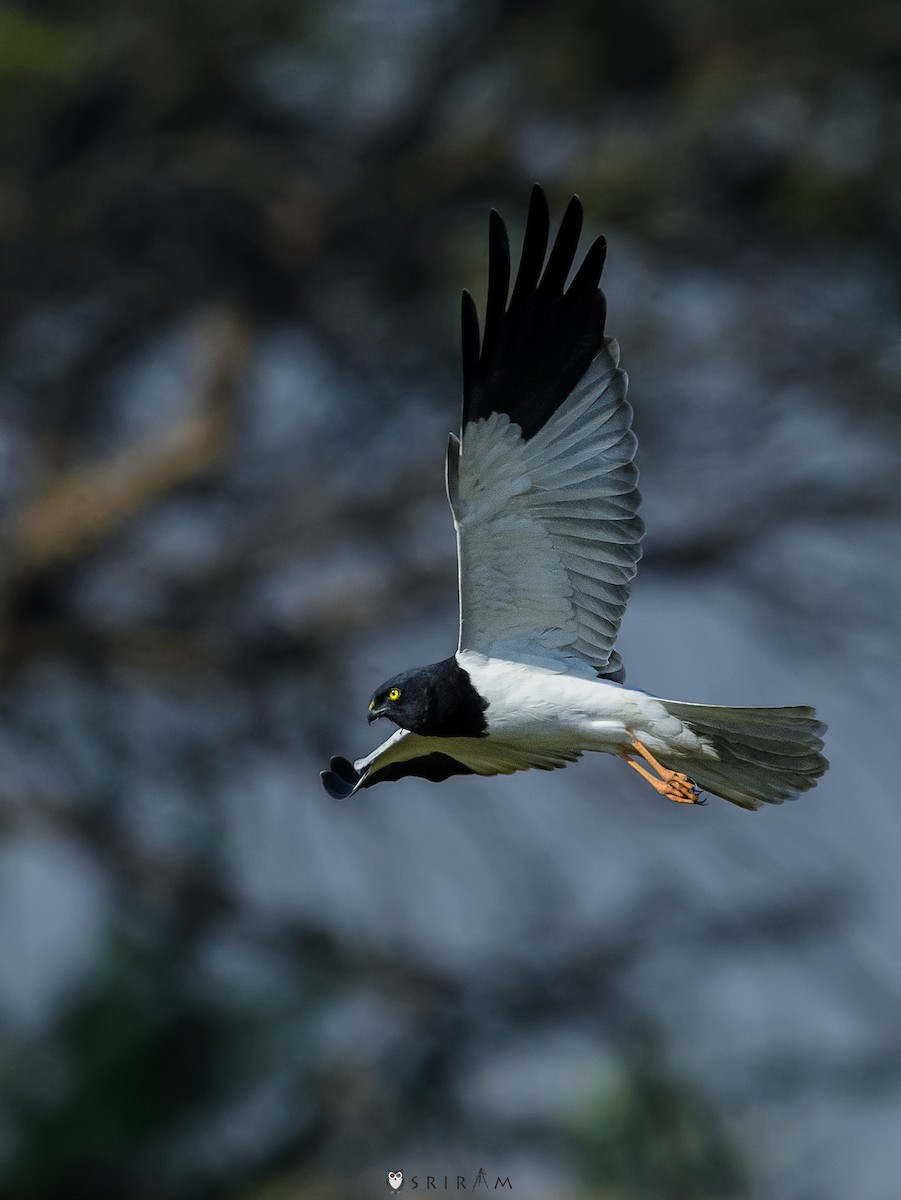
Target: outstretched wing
x,y
542,484
436,759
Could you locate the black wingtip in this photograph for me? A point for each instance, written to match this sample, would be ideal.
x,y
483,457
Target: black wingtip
x,y
588,276
534,244
538,203
471,345
535,349
575,203
336,788
564,250
472,338
498,279
342,780
595,258
498,247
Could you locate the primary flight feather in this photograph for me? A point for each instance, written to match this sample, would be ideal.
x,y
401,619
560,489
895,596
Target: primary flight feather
x,y
543,490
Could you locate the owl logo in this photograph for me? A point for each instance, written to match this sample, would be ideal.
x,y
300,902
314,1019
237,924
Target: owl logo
x,y
395,1180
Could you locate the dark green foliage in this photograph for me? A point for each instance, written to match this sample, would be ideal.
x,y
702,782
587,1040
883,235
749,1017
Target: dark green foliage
x,y
138,1059
655,1137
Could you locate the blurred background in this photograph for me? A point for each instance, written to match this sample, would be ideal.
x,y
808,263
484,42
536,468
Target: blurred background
x,y
234,236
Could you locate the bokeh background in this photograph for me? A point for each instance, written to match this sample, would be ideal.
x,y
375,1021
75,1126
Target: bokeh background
x,y
232,240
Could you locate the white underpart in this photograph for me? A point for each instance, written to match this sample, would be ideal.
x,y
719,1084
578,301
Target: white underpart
x,y
540,716
538,706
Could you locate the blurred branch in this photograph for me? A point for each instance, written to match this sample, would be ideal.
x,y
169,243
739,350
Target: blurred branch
x,y
81,508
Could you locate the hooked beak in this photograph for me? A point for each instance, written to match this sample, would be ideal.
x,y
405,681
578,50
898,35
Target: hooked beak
x,y
375,713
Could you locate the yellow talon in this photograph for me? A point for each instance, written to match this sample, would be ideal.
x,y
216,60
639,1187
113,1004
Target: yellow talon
x,y
672,784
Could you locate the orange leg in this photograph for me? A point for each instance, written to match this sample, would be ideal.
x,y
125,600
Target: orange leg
x,y
672,784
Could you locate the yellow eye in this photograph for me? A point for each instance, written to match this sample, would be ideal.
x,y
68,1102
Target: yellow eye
x,y
394,694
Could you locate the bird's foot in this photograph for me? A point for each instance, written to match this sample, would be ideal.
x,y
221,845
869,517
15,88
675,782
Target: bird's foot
x,y
681,789
672,784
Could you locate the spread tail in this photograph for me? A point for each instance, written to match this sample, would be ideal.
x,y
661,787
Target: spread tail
x,y
764,755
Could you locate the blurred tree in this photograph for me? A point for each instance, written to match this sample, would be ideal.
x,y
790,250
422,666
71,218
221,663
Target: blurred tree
x,y
228,234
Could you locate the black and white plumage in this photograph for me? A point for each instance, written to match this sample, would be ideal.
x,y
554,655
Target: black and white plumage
x,y
543,491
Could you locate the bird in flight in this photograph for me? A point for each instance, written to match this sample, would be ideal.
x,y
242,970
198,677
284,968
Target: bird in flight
x,y
543,490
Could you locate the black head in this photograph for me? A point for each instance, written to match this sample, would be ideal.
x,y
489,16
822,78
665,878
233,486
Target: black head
x,y
435,701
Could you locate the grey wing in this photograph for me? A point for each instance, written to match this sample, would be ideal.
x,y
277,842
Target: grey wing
x,y
542,483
